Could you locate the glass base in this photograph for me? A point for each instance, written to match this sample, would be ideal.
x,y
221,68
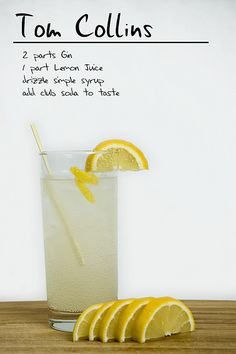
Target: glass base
x,y
62,325
62,321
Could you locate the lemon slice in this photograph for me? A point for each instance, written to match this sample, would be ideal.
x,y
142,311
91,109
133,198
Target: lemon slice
x,y
127,318
81,328
117,155
109,323
162,317
95,324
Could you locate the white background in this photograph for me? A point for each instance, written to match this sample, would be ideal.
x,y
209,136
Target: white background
x,y
177,224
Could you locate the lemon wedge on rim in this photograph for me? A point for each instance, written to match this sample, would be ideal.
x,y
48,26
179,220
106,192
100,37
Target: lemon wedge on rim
x,y
116,155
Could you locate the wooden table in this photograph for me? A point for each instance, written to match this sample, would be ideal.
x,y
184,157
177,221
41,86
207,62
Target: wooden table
x,y
24,329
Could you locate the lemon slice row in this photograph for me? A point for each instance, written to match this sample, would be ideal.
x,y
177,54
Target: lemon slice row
x,y
138,319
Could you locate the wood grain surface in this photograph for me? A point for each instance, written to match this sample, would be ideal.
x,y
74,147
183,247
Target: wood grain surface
x,y
24,329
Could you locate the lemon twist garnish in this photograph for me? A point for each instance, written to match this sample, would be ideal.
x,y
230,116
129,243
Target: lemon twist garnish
x,y
85,177
81,179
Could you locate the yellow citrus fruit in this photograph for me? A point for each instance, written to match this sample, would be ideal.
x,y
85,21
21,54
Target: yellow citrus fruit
x,y
83,176
128,317
116,155
81,327
109,322
85,191
162,317
95,324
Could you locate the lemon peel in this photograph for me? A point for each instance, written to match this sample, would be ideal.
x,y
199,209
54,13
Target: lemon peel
x,y
81,179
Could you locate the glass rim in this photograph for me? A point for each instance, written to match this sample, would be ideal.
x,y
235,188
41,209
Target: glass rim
x,y
85,152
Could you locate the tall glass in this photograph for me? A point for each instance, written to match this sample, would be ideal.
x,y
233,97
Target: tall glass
x,y
80,238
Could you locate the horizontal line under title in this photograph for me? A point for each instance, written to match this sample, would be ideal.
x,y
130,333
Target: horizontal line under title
x,y
111,42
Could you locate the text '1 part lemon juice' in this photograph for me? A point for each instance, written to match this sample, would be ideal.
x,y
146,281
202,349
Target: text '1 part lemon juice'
x,y
80,235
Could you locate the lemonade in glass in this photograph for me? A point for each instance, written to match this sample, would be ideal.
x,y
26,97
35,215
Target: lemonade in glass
x,y
80,238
